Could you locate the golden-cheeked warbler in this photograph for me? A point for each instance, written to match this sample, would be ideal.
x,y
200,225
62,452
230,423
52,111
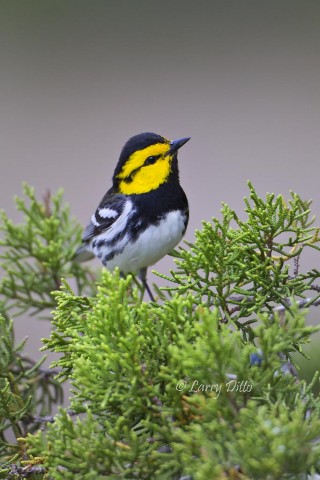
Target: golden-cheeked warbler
x,y
145,213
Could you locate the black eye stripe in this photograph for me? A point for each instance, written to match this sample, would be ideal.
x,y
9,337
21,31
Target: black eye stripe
x,y
128,179
151,160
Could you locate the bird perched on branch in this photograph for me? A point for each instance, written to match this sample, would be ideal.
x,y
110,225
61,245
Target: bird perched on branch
x,y
145,213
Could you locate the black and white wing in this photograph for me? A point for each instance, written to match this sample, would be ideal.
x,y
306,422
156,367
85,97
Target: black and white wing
x,y
106,215
107,221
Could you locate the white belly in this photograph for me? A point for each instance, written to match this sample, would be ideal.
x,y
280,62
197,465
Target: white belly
x,y
153,244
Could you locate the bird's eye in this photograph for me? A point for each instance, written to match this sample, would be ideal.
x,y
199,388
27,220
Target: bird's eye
x,y
151,160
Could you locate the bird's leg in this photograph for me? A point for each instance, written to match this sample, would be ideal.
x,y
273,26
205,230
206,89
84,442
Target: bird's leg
x,y
143,277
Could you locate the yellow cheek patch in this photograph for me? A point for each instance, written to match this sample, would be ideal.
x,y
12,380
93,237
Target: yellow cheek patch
x,y
148,178
137,159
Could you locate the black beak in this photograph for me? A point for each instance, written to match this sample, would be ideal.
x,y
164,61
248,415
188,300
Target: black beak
x,y
176,144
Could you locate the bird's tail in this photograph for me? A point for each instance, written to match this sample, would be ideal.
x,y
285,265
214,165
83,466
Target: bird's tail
x,y
82,254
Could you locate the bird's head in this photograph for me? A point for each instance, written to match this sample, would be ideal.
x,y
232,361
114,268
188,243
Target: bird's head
x,y
147,161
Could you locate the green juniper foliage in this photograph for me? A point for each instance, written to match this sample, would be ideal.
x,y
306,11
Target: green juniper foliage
x,y
197,386
243,267
25,388
37,253
34,255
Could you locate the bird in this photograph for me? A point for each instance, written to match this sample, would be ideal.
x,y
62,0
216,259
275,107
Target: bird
x,y
144,214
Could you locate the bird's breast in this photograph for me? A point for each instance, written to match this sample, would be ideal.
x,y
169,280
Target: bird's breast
x,y
152,244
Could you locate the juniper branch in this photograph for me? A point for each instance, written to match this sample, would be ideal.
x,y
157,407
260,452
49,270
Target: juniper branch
x,y
15,471
304,303
124,358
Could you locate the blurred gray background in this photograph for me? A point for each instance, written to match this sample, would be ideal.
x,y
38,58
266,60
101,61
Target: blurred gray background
x,y
78,78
